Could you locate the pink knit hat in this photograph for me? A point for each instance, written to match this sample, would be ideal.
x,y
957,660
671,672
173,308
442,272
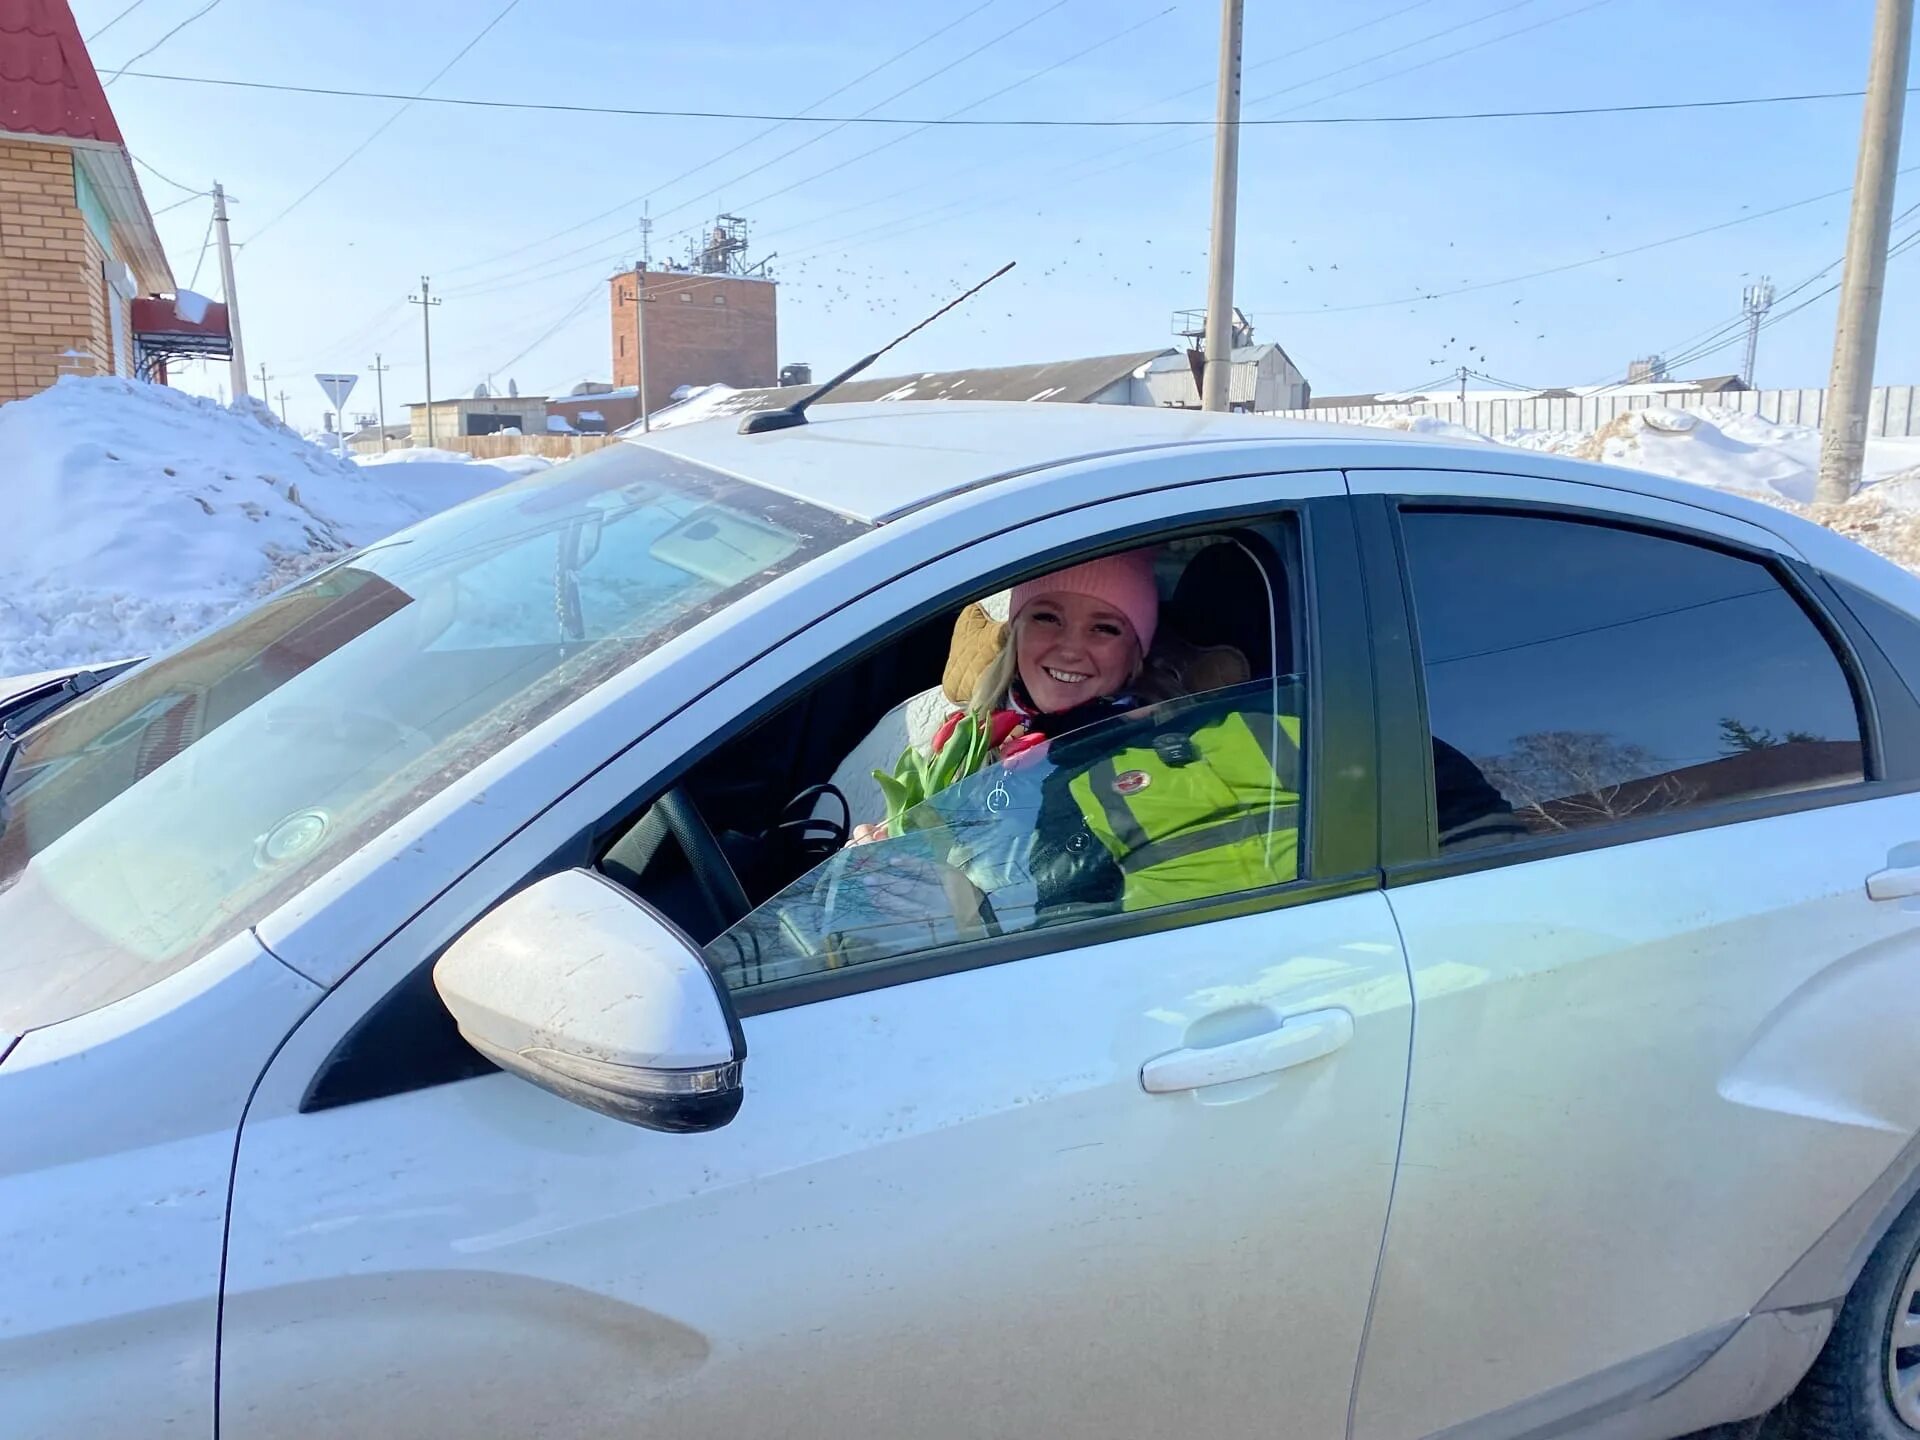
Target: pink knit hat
x,y
1124,581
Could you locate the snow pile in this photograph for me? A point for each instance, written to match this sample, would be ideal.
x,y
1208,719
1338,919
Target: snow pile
x,y
1428,425
138,515
704,403
1721,448
427,468
1728,450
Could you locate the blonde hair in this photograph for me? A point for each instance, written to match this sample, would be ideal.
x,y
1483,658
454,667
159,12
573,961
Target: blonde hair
x,y
991,690
1152,676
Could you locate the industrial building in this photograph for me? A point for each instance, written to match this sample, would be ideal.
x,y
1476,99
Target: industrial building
x,y
710,318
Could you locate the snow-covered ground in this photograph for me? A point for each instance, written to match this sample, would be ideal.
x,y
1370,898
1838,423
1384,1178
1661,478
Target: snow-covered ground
x,y
137,515
1727,450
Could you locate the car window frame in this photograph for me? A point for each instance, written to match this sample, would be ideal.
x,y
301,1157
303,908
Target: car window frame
x,y
578,823
1335,859
1409,836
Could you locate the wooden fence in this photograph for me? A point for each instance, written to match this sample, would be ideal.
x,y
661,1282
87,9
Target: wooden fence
x,y
493,447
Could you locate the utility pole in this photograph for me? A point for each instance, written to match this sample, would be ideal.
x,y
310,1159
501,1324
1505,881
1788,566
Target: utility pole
x,y
380,390
283,407
1218,373
239,361
1843,431
1756,301
640,321
264,392
1463,394
426,302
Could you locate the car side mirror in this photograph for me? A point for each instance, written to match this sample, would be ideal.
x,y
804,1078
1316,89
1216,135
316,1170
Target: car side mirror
x,y
578,986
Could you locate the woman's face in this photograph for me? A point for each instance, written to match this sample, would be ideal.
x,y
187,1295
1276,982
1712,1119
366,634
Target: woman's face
x,y
1070,649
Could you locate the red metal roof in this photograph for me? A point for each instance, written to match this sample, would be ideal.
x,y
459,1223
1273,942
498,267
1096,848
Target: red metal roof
x,y
154,316
48,85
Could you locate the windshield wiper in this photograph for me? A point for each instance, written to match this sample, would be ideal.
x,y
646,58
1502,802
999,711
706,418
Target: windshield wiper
x,y
27,709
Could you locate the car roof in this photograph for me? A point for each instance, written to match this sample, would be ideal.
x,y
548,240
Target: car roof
x,y
880,460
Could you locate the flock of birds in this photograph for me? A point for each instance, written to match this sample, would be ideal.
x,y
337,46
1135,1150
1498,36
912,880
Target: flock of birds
x,y
908,293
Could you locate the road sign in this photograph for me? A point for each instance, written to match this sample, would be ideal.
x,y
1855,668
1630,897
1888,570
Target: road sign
x,y
338,387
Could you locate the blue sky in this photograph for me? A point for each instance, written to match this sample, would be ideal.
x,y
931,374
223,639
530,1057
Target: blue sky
x,y
1109,227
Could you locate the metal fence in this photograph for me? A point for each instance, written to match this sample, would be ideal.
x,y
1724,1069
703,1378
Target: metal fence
x,y
1894,410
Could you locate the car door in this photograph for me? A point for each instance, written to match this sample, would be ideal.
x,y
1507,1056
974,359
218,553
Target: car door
x,y
949,1205
120,1126
1663,1030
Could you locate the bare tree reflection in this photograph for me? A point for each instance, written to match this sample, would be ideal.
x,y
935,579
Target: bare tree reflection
x,y
1567,779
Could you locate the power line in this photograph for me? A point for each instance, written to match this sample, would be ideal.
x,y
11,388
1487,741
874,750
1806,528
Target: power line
x,y
550,332
162,40
601,242
167,178
1503,384
205,242
1736,334
891,229
946,178
1033,122
891,60
1571,264
1733,331
1379,79
115,21
1313,45
186,200
985,99
1442,33
979,49
1077,173
382,127
1449,55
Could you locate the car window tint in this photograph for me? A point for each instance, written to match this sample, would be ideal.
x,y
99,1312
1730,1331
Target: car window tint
x,y
1186,800
1580,674
1895,631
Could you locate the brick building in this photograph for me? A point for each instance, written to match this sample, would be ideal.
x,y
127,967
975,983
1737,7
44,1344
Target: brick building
x,y
77,242
702,329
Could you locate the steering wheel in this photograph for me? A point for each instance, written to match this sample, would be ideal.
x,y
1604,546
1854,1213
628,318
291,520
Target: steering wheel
x,y
816,836
712,871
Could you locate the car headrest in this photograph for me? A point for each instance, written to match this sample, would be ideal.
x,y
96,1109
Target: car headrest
x,y
1221,599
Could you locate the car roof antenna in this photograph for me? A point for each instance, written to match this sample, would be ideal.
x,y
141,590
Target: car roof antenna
x,y
788,416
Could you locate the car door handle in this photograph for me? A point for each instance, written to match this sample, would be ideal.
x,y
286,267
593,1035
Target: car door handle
x,y
1898,882
1295,1041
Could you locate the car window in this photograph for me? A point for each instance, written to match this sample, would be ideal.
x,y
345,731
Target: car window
x,y
1186,800
1895,631
1579,675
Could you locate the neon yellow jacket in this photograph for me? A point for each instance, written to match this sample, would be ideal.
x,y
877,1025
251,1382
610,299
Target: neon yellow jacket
x,y
1193,813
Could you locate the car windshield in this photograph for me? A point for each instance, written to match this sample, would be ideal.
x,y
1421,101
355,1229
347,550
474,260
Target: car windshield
x,y
145,823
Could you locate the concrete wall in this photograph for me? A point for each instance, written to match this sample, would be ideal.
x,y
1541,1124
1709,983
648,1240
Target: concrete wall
x,y
450,417
701,329
53,297
1894,410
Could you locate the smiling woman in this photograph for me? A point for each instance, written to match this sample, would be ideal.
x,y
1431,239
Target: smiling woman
x,y
174,806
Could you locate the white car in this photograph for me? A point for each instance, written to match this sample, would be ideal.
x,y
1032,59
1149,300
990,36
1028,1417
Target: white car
x,y
438,1003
